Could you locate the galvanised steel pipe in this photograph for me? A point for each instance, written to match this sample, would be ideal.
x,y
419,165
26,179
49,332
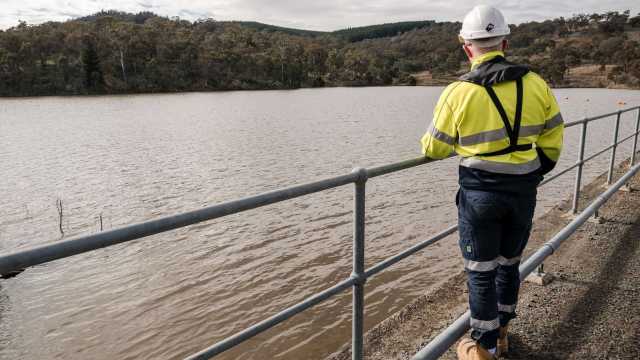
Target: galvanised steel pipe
x,y
45,253
630,109
589,119
575,123
595,155
591,157
410,251
441,343
387,169
627,138
357,319
406,164
635,140
613,152
533,261
576,188
80,244
272,321
558,174
342,286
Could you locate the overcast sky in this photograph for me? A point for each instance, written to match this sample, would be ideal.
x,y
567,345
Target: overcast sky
x,y
306,14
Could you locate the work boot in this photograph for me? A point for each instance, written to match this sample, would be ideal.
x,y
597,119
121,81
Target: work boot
x,y
503,341
468,349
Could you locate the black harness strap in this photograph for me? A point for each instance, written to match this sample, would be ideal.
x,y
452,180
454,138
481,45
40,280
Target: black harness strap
x,y
514,132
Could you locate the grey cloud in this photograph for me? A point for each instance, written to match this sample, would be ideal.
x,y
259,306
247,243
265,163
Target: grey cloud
x,y
195,14
69,14
310,14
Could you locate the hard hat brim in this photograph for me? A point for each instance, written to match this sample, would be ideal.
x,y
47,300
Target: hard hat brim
x,y
486,42
483,34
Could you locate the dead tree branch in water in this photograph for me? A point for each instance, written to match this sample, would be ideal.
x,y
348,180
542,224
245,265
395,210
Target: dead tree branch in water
x,y
59,207
11,274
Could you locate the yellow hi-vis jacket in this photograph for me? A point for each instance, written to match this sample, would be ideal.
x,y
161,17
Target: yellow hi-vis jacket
x,y
466,121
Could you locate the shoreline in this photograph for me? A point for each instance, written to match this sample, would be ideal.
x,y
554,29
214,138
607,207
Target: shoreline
x,y
435,83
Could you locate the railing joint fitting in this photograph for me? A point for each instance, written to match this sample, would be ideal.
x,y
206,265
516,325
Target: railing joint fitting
x,y
359,278
362,175
553,249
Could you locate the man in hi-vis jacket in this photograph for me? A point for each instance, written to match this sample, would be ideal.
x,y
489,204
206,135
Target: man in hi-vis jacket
x,y
504,122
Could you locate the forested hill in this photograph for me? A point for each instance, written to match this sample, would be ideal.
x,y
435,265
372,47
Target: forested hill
x,y
117,52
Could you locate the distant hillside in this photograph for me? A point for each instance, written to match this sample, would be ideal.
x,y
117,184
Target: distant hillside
x,y
351,34
354,34
118,52
380,31
272,28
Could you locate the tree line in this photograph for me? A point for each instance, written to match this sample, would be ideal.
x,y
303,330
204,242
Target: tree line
x,y
117,52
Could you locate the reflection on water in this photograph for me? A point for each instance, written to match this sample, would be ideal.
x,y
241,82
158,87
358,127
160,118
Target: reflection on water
x,y
133,158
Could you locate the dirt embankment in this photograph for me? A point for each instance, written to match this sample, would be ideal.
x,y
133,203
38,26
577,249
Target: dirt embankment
x,y
589,312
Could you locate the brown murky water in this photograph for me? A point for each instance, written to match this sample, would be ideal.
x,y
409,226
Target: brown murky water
x,y
133,158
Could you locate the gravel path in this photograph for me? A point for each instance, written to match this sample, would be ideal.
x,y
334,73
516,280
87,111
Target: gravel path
x,y
590,311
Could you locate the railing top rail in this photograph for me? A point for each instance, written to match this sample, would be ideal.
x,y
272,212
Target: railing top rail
x,y
44,253
598,117
40,254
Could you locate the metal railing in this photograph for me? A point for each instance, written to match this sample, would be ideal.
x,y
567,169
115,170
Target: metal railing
x,y
49,252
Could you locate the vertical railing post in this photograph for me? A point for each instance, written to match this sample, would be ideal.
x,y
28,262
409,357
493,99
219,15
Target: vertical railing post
x,y
357,328
635,140
613,149
576,189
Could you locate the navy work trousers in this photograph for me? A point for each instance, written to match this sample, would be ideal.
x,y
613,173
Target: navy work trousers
x,y
494,228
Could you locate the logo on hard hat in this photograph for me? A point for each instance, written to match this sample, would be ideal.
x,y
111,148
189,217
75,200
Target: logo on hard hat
x,y
490,27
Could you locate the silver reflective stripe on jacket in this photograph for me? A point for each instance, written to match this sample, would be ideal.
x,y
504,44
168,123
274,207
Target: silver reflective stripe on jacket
x,y
445,138
501,134
531,130
483,137
553,122
501,168
495,135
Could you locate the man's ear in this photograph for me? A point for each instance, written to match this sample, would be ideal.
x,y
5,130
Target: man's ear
x,y
505,44
467,51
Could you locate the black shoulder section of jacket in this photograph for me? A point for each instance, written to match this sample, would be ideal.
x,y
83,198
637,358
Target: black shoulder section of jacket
x,y
546,164
495,71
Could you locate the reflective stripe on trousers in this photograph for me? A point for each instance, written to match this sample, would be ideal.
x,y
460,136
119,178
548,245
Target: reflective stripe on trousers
x,y
490,265
507,308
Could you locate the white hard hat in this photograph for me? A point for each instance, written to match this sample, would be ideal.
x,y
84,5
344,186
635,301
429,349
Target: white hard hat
x,y
483,22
